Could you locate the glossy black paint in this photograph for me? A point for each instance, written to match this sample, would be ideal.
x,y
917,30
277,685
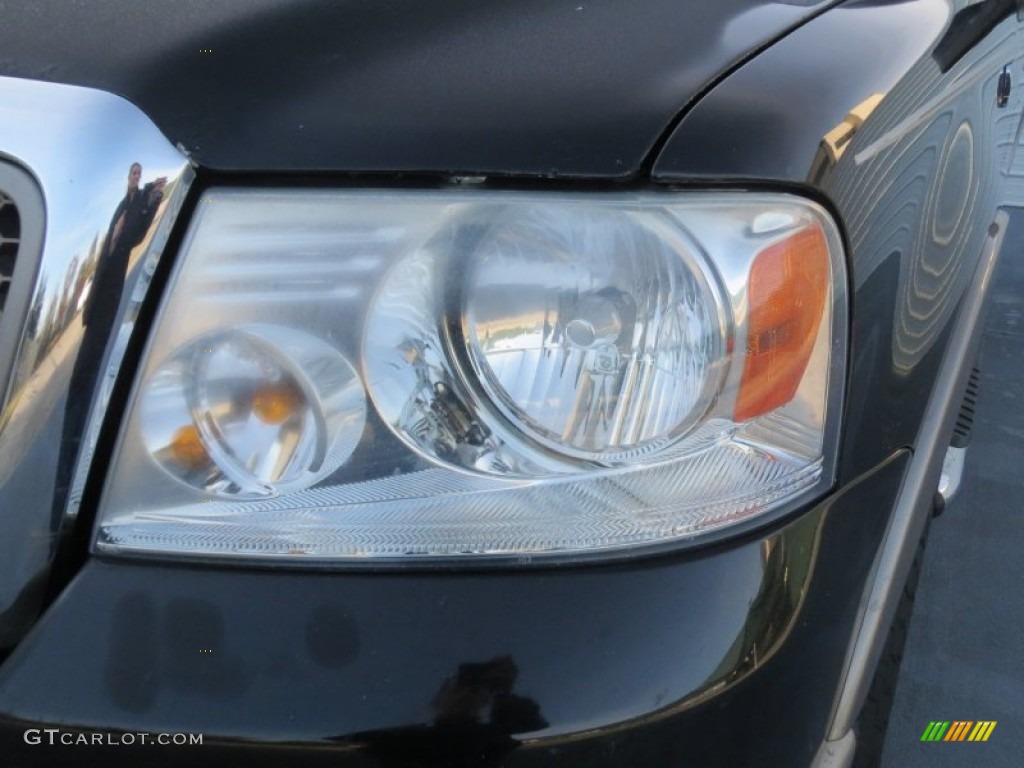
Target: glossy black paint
x,y
699,659
915,187
579,88
656,662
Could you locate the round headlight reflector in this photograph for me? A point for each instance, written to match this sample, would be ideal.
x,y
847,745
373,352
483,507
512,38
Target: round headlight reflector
x,y
599,334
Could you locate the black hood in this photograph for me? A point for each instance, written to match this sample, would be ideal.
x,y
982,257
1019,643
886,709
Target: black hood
x,y
578,88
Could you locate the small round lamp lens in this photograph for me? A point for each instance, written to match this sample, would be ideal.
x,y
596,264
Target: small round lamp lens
x,y
252,412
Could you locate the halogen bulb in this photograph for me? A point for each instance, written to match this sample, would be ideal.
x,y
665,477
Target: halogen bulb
x,y
597,333
596,322
255,411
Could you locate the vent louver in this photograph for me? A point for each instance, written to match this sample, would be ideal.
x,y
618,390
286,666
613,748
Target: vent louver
x,y
10,238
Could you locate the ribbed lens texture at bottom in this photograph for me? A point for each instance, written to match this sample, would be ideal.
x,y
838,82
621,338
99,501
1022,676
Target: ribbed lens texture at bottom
x,y
476,515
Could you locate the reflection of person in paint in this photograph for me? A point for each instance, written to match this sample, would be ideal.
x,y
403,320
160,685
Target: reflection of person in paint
x,y
128,227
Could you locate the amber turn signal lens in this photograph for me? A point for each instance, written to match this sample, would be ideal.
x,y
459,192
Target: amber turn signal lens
x,y
787,292
275,404
187,448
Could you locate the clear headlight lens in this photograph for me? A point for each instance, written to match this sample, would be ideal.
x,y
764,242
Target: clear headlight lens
x,y
598,357
352,375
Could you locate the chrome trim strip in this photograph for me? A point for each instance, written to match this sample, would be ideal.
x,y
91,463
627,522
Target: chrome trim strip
x,y
79,144
952,472
836,754
925,114
915,501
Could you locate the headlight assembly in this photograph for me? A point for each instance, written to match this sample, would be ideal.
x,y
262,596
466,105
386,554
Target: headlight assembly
x,y
409,376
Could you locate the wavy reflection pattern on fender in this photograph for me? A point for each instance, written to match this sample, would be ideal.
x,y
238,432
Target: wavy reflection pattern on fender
x,y
910,186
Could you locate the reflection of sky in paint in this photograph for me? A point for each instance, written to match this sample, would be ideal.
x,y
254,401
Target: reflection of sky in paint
x,y
83,188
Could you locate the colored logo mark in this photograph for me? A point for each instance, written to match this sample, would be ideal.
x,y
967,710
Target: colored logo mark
x,y
958,730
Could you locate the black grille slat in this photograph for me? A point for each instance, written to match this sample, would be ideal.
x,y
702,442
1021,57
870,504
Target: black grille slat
x,y
10,239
